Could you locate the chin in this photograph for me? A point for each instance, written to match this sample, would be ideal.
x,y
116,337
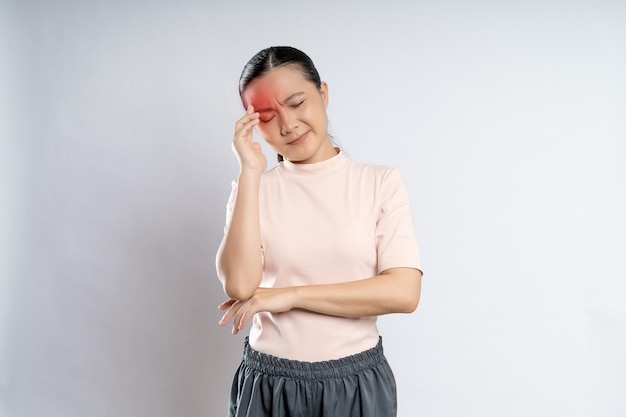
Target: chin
x,y
297,155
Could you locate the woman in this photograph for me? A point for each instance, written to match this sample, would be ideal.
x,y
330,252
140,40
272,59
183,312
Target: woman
x,y
313,251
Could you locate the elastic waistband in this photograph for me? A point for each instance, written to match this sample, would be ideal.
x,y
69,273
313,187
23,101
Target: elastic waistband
x,y
336,368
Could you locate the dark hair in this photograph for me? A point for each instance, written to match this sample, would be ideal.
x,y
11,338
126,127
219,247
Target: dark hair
x,y
277,56
274,57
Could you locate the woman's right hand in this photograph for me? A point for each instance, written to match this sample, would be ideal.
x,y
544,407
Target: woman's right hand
x,y
249,153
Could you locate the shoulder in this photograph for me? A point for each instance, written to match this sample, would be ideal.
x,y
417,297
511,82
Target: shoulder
x,y
385,183
375,172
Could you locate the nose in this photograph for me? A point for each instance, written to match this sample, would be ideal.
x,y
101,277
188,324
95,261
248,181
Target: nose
x,y
288,123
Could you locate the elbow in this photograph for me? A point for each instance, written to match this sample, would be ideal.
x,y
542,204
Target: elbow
x,y
408,287
404,303
410,304
238,283
238,286
410,297
240,273
238,292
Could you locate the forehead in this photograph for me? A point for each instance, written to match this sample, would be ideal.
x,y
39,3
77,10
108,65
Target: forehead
x,y
277,84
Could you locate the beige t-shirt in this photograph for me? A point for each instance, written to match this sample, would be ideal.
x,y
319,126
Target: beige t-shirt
x,y
333,221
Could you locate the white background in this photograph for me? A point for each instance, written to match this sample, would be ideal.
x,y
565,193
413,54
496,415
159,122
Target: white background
x,y
507,120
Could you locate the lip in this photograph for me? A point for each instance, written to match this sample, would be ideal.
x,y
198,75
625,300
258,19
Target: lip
x,y
299,139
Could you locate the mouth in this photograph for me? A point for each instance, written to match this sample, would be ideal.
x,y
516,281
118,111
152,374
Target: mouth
x,y
299,139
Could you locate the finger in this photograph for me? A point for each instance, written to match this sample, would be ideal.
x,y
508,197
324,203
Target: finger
x,y
230,313
245,317
249,124
226,304
241,319
245,124
247,118
235,325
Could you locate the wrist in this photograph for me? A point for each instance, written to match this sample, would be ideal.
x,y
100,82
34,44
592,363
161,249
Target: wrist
x,y
248,174
295,296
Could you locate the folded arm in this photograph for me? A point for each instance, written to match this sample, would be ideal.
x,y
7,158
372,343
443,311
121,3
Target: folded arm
x,y
396,290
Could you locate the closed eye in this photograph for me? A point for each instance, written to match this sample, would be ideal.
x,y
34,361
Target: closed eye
x,y
297,104
266,119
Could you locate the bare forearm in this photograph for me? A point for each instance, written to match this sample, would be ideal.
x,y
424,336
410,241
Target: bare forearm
x,y
395,291
239,261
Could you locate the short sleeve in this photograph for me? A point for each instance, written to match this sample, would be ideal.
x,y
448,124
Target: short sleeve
x,y
396,243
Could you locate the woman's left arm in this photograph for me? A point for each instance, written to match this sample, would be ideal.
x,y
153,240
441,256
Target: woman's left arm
x,y
396,290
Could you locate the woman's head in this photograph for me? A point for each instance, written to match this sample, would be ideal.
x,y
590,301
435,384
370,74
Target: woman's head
x,y
274,57
282,84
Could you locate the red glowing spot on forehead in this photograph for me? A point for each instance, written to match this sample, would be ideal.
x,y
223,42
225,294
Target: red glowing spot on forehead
x,y
259,98
261,102
274,88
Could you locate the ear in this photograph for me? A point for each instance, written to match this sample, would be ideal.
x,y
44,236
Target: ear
x,y
324,93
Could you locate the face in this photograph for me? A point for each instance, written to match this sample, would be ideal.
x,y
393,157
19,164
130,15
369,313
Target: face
x,y
292,112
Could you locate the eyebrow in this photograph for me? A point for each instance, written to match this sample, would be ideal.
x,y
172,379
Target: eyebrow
x,y
291,97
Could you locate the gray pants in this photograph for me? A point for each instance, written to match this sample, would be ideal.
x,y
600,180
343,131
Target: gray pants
x,y
360,385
